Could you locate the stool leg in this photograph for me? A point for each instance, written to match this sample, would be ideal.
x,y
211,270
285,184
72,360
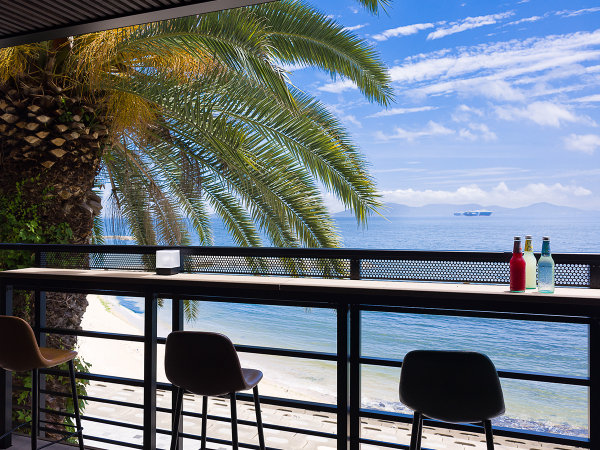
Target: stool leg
x,y
415,436
261,435
35,408
176,418
76,405
420,434
234,431
204,417
489,437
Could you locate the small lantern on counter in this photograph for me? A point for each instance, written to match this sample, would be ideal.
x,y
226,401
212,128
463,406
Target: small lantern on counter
x,y
167,262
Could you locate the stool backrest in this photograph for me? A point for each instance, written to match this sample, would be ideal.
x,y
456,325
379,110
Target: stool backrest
x,y
451,386
203,363
19,350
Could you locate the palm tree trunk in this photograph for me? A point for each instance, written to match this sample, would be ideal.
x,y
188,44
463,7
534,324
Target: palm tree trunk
x,y
51,142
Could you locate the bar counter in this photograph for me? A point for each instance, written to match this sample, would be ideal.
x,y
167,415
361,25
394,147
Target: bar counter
x,y
575,305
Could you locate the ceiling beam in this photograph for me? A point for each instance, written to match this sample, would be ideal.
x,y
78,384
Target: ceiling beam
x,y
164,12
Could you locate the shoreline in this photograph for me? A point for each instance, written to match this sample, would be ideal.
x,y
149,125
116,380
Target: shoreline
x,y
125,359
288,378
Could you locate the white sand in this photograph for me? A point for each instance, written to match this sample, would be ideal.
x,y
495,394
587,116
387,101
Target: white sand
x,y
125,359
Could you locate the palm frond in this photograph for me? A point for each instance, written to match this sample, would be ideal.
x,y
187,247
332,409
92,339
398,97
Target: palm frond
x,y
301,35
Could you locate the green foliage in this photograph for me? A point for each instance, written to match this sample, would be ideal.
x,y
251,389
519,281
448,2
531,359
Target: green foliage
x,y
20,223
235,136
23,412
81,366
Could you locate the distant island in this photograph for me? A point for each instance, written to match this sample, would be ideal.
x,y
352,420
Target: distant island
x,y
440,210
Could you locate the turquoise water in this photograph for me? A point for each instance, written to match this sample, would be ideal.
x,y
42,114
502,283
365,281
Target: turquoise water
x,y
551,348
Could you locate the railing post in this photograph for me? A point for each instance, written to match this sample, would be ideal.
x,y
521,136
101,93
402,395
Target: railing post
x,y
39,322
594,392
5,376
150,312
343,375
355,269
177,325
355,379
595,276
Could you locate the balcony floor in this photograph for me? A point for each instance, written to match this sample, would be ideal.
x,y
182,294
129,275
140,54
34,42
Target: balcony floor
x,y
23,443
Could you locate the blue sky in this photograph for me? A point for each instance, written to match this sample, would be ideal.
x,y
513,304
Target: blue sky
x,y
497,103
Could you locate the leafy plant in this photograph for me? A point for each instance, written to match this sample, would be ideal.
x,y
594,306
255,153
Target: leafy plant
x,y
20,223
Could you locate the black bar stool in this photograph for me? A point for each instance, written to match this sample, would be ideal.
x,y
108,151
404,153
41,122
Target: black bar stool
x,y
450,386
207,364
20,352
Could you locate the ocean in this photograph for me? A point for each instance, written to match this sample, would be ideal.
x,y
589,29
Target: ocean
x,y
512,345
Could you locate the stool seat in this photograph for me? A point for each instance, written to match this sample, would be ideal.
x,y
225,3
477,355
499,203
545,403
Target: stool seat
x,y
55,356
251,377
19,351
450,386
207,364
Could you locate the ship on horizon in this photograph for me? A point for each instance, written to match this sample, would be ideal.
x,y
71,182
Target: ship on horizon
x,y
479,212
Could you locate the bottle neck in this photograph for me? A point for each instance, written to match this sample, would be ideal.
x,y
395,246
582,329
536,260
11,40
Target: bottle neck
x,y
517,247
528,246
546,248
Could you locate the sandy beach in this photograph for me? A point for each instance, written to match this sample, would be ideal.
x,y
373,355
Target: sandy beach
x,y
125,359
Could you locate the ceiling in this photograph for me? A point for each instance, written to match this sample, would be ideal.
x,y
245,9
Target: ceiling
x,y
26,21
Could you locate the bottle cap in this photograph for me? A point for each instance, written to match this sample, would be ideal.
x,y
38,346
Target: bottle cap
x,y
517,238
528,237
545,238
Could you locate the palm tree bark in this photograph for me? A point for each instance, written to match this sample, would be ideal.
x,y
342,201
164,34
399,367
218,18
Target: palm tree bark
x,y
51,142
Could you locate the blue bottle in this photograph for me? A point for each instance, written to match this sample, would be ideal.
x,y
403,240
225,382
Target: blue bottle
x,y
546,269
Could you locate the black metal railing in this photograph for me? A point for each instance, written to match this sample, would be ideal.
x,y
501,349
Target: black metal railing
x,y
572,269
576,270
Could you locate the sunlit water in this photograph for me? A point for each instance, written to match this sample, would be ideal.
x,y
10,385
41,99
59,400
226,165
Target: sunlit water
x,y
513,345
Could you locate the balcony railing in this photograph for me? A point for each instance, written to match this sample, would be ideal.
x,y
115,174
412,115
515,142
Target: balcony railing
x,y
572,270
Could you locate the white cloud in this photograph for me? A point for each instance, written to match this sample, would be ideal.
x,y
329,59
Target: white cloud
x,y
587,99
338,87
477,131
526,19
356,27
578,12
490,69
468,24
500,195
397,111
293,67
405,30
586,143
432,129
542,113
463,113
352,120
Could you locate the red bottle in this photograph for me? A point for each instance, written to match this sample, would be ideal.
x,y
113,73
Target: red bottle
x,y
517,268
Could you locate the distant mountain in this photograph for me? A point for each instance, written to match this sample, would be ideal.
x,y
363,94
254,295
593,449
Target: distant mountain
x,y
442,210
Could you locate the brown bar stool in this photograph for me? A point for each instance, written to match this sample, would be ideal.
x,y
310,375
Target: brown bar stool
x,y
450,386
19,351
207,364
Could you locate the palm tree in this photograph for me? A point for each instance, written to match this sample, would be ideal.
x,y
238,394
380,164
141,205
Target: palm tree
x,y
187,116
186,113
183,117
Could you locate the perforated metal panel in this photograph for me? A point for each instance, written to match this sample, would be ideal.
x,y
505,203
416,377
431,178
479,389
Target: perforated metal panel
x,y
572,275
308,267
459,267
114,261
463,271
471,271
